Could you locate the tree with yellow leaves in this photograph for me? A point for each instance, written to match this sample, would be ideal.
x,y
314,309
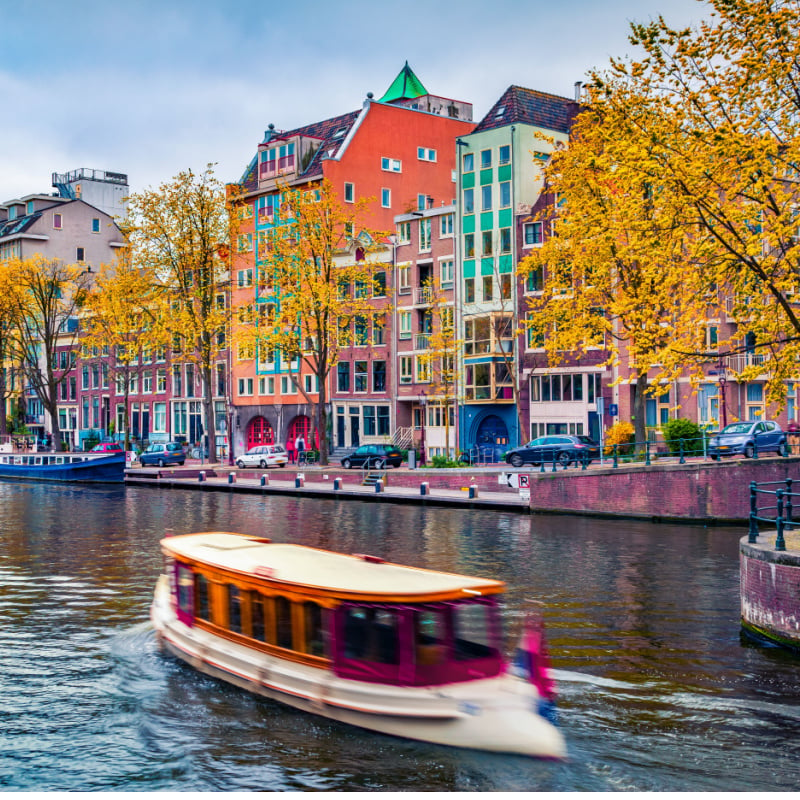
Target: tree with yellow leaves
x,y
48,297
124,317
319,276
726,141
8,366
617,274
181,231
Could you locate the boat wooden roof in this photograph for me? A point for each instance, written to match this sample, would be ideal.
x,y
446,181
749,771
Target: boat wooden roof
x,y
346,576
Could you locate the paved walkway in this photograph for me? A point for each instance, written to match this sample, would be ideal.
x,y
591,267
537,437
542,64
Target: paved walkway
x,y
284,482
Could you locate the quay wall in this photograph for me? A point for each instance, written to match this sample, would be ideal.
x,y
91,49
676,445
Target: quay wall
x,y
692,492
770,588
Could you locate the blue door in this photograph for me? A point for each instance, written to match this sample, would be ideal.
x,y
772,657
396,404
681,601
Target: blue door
x,y
492,438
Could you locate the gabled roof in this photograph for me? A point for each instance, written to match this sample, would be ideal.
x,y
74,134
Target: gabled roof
x,y
405,86
528,106
331,132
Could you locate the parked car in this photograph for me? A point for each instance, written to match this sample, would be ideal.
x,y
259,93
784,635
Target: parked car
x,y
263,455
746,438
107,447
163,453
374,455
564,448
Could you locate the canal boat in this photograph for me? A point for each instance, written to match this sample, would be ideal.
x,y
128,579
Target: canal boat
x,y
403,651
64,467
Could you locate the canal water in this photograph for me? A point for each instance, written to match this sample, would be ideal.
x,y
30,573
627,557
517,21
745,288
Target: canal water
x,y
658,690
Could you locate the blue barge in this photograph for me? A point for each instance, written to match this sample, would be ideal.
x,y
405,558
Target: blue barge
x,y
63,467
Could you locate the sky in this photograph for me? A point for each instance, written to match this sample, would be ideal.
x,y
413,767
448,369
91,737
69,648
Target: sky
x,y
152,87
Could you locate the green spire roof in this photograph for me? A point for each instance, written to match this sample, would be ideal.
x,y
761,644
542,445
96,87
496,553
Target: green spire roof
x,y
404,87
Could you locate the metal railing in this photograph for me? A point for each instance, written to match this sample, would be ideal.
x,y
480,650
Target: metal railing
x,y
783,510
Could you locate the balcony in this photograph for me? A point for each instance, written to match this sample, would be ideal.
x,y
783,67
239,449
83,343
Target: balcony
x,y
740,361
423,296
279,166
422,341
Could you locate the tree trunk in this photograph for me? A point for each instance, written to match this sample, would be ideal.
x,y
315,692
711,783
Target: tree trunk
x,y
3,424
639,413
322,417
209,433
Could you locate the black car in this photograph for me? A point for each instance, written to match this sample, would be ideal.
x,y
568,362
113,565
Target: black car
x,y
563,448
374,455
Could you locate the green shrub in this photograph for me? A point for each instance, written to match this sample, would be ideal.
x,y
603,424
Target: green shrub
x,y
443,462
691,433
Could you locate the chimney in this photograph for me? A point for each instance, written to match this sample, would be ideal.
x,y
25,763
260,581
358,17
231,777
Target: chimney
x,y
578,86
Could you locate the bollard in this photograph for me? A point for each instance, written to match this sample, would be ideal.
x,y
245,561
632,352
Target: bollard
x,y
423,488
780,542
265,479
753,531
473,491
378,486
231,477
337,484
299,482
201,476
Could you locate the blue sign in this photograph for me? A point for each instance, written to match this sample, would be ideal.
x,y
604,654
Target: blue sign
x,y
613,409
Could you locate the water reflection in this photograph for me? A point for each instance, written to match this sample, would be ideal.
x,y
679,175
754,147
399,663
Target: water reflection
x,y
658,690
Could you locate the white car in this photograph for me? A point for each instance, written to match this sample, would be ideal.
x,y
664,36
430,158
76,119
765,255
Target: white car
x,y
263,455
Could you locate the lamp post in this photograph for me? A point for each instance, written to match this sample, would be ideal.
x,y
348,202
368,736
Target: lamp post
x,y
423,402
723,378
230,410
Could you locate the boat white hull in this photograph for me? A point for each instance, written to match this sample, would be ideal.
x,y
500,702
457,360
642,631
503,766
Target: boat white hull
x,y
494,714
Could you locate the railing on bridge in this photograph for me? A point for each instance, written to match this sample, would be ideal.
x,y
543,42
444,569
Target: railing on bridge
x,y
783,510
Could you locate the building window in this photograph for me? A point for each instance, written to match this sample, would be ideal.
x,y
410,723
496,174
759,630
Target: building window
x,y
403,232
486,159
505,194
505,240
361,331
343,376
378,329
468,162
349,193
95,225
504,155
469,245
422,202
378,376
469,201
161,380
406,366
505,286
426,154
404,279
446,225
488,286
446,268
391,165
405,324
58,222
486,198
386,198
80,254
423,366
486,243
424,235
532,233
469,290
360,376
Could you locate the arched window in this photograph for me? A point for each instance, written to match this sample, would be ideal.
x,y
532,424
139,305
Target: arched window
x,y
259,431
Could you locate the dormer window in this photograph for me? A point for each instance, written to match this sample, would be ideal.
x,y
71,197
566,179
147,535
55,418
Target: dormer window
x,y
339,133
278,158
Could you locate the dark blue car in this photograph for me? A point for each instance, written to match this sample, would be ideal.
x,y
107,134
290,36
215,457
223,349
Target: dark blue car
x,y
745,438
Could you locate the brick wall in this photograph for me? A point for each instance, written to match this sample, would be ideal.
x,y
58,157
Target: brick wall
x,y
693,491
770,590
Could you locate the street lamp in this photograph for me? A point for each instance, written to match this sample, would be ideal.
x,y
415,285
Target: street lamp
x,y
723,377
423,402
231,408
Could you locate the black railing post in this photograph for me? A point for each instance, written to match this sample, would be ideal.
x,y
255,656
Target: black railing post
x,y
584,459
753,532
683,457
554,461
755,446
780,543
789,501
541,465
616,462
647,453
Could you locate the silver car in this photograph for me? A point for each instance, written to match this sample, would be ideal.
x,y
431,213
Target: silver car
x,y
263,455
747,438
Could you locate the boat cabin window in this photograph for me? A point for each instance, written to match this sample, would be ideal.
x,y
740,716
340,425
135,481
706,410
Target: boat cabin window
x,y
234,609
184,581
257,621
473,632
283,622
430,637
314,635
202,609
370,634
